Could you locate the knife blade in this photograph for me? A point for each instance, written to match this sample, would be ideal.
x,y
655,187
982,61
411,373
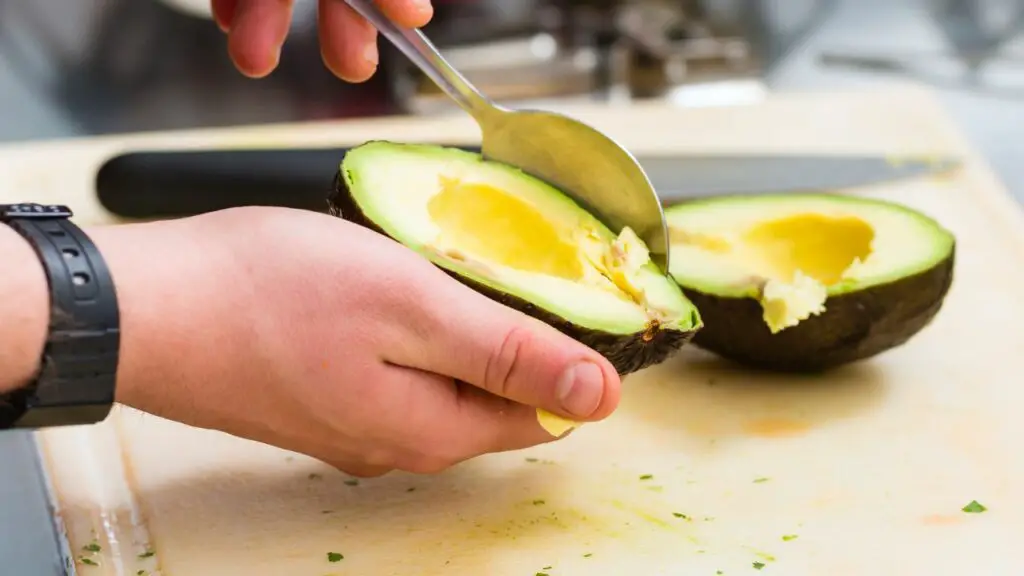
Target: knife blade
x,y
677,178
170,183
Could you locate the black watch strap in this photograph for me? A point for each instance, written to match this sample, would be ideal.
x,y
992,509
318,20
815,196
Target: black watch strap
x,y
77,374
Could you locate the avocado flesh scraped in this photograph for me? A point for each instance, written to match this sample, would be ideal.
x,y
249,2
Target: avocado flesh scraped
x,y
804,282
522,243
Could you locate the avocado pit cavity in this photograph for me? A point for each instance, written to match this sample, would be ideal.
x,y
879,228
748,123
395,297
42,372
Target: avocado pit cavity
x,y
494,226
481,223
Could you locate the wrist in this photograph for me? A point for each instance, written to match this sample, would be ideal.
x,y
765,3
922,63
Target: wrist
x,y
124,249
164,276
24,312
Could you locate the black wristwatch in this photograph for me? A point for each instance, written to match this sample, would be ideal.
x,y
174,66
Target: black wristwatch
x,y
77,372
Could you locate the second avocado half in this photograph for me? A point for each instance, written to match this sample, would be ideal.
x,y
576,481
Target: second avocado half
x,y
810,281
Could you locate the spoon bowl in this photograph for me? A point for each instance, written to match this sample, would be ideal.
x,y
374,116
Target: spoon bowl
x,y
593,169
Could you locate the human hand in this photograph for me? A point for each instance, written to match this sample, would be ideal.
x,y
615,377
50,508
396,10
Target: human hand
x,y
257,29
306,332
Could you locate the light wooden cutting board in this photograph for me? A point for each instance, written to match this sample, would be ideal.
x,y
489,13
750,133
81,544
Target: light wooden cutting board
x,y
705,469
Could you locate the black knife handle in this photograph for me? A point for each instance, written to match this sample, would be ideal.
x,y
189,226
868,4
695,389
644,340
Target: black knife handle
x,y
175,183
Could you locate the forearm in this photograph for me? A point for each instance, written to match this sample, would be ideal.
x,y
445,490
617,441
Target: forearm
x,y
24,311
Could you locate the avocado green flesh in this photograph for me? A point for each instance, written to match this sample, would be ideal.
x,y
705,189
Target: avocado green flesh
x,y
803,282
521,242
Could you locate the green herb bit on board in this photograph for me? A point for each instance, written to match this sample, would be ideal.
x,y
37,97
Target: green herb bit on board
x,y
974,507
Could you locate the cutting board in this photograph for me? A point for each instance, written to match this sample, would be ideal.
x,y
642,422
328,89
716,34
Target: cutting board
x,y
705,468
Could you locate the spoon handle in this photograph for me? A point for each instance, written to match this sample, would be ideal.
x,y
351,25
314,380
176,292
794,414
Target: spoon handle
x,y
415,45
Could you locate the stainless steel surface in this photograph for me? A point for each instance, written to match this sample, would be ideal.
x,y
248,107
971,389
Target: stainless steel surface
x,y
30,544
588,165
614,50
981,36
940,42
679,178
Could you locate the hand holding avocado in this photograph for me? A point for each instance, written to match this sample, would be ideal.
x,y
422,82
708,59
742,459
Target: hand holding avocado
x,y
257,29
316,335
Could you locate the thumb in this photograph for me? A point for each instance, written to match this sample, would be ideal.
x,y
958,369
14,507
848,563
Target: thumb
x,y
465,335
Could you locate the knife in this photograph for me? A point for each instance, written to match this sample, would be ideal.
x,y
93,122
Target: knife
x,y
172,183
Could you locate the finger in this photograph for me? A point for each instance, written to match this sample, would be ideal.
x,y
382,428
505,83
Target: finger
x,y
446,423
258,30
456,331
348,43
407,13
223,13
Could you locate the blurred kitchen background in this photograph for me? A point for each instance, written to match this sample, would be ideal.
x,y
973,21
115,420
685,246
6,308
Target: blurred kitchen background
x,y
79,67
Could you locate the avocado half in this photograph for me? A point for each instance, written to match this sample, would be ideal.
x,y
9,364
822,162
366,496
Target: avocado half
x,y
807,282
521,242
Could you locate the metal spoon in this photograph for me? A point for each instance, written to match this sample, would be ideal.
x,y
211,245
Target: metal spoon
x,y
582,162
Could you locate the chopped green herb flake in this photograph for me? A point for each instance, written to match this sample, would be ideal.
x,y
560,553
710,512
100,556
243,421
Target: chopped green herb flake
x,y
719,572
88,561
352,482
788,537
147,554
538,502
315,476
680,515
760,480
974,507
758,565
709,518
327,511
646,476
410,489
588,555
93,547
546,568
532,460
334,557
140,573
541,574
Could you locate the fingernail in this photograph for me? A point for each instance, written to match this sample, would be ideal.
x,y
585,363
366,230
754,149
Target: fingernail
x,y
580,389
370,54
424,7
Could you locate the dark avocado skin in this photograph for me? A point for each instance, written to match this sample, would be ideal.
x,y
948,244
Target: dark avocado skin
x,y
626,352
854,326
